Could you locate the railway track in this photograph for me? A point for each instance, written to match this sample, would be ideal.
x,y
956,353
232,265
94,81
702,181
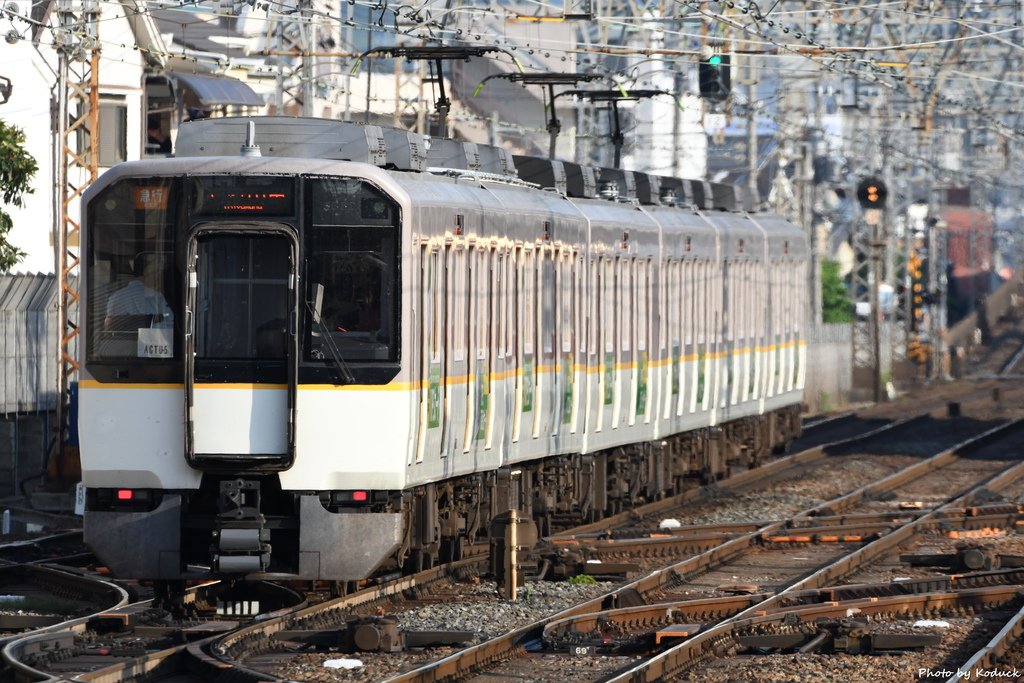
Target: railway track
x,y
35,597
132,639
221,652
233,647
506,647
61,547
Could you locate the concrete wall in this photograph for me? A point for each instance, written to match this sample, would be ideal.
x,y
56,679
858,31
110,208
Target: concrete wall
x,y
829,359
24,442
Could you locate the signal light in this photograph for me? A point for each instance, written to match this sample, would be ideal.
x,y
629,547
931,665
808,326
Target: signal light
x,y
713,78
359,496
871,193
124,494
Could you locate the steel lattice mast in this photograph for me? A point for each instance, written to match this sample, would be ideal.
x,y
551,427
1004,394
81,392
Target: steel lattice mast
x,y
76,155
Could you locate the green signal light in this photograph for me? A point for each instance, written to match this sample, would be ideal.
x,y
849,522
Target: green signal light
x,y
715,60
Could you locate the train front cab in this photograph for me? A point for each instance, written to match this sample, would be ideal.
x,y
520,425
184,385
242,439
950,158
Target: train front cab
x,y
210,300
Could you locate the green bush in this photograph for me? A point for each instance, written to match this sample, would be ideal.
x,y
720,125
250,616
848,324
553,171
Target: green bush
x,y
582,580
835,299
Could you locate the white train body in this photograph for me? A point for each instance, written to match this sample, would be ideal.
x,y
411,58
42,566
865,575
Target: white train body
x,y
502,327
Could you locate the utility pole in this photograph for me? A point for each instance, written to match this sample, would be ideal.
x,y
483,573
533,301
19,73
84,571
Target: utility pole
x,y
874,219
807,221
869,252
76,154
937,281
307,27
752,141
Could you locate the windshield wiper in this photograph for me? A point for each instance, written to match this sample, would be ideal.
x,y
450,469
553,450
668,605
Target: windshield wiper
x,y
332,348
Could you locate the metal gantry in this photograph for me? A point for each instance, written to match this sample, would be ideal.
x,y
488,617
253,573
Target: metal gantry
x,y
76,156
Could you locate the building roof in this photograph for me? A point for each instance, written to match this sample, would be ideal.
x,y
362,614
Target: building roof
x,y
28,292
199,30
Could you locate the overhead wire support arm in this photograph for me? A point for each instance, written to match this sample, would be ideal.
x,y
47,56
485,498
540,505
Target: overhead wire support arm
x,y
614,97
548,80
437,55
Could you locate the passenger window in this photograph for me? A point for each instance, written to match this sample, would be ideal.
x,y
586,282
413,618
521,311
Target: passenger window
x,y
626,309
529,275
548,292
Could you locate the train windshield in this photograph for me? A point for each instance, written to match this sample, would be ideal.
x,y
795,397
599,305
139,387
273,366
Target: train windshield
x,y
351,270
347,231
133,283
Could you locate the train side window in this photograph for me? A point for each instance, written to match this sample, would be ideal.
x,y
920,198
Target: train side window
x,y
643,294
549,285
626,289
567,302
505,259
704,286
352,252
610,325
515,293
437,317
529,276
594,319
458,302
484,301
687,302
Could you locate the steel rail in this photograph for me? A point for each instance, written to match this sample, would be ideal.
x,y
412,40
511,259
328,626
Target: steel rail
x,y
489,652
665,665
212,656
16,647
985,660
574,630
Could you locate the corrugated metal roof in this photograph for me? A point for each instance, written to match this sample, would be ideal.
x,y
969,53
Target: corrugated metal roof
x,y
28,292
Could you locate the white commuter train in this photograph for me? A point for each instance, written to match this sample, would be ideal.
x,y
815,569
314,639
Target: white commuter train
x,y
332,359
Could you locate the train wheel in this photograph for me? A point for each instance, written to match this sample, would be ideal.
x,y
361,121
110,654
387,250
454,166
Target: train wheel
x,y
418,560
452,549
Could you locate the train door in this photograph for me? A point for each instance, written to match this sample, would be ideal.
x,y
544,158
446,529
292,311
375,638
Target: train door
x,y
431,361
241,348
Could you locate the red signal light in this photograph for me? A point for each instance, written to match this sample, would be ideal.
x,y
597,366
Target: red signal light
x,y
124,494
359,496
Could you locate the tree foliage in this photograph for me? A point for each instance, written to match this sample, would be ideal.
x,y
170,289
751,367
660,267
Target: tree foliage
x,y
835,300
17,168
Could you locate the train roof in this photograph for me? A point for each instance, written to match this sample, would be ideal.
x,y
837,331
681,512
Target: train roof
x,y
402,150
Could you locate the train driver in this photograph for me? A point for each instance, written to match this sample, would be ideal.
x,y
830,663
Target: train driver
x,y
140,303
